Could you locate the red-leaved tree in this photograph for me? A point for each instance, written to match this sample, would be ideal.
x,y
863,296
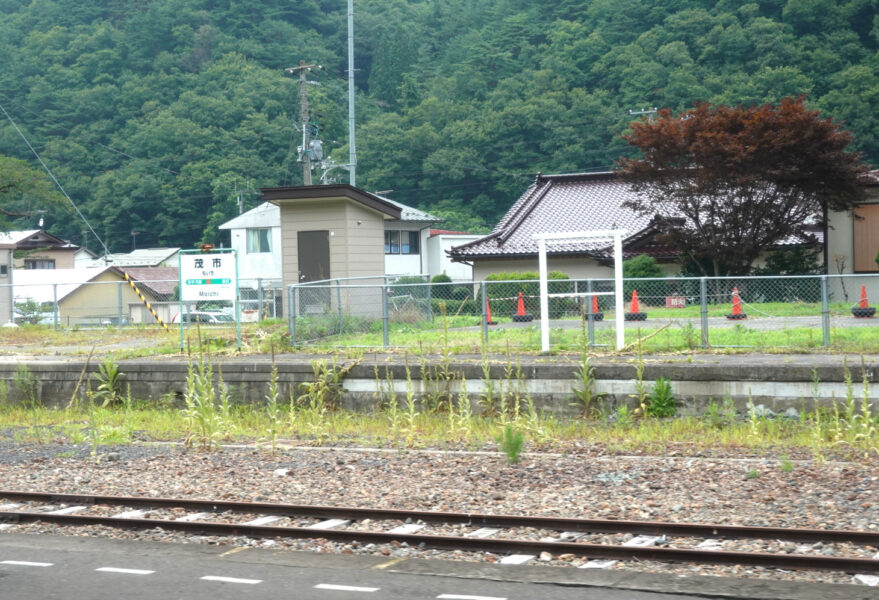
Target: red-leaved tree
x,y
726,183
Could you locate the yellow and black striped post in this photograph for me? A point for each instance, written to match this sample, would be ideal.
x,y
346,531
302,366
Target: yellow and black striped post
x,y
145,301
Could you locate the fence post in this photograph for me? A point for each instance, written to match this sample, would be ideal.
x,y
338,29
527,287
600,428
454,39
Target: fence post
x,y
260,299
339,305
291,313
430,301
484,315
825,312
54,304
119,304
386,339
703,302
590,324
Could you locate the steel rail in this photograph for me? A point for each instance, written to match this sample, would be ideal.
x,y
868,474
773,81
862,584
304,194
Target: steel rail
x,y
553,523
782,561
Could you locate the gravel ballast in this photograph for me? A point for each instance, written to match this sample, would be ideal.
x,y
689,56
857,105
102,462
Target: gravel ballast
x,y
579,485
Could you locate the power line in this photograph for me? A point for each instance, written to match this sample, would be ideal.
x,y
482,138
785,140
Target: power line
x,y
60,187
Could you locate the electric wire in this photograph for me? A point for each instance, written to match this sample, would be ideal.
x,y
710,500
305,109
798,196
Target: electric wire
x,y
60,187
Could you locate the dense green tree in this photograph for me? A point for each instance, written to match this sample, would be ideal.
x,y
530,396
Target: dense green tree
x,y
459,102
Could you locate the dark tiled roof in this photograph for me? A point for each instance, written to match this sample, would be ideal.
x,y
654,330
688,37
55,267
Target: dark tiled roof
x,y
161,281
554,203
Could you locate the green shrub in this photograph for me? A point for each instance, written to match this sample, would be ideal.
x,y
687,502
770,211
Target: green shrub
x,y
441,278
503,296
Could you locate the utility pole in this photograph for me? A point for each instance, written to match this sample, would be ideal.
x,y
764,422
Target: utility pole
x,y
302,69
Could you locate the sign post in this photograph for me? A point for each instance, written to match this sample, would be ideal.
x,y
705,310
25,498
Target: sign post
x,y
207,275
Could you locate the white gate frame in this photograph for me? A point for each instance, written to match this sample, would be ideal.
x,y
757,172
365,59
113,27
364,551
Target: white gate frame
x,y
617,236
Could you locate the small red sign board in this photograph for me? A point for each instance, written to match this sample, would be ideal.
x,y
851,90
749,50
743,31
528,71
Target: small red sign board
x,y
675,302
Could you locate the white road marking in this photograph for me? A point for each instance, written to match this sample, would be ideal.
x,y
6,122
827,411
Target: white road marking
x,y
460,597
125,571
407,528
264,520
516,559
231,579
24,563
329,524
344,588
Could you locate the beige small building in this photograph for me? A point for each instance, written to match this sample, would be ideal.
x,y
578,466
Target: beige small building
x,y
331,232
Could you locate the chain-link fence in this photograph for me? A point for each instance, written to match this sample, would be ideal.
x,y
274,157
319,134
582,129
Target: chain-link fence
x,y
673,313
119,303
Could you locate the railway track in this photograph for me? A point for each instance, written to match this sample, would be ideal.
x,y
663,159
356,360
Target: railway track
x,y
449,531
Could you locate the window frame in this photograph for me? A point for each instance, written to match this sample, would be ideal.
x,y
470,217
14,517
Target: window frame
x,y
255,237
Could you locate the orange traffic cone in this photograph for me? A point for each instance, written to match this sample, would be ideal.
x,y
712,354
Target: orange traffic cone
x,y
521,315
488,320
635,314
596,315
737,313
863,309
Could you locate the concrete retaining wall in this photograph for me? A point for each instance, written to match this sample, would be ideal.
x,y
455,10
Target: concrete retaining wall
x,y
778,382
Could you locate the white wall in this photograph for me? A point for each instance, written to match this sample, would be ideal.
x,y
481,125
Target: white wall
x,y
439,262
260,265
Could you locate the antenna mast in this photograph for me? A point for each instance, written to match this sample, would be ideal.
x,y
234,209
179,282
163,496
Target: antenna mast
x,y
352,154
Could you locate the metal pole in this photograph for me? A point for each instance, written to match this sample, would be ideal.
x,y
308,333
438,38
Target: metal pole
x,y
825,312
703,311
55,304
339,303
386,338
590,324
618,285
260,299
291,310
484,313
544,300
352,154
119,304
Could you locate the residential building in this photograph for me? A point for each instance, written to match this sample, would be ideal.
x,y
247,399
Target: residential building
x,y
37,249
572,203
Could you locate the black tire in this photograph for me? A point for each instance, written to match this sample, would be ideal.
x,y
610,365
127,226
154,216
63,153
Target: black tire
x,y
737,317
863,313
595,317
638,316
523,318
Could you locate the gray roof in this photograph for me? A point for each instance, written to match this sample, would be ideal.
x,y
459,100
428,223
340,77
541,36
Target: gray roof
x,y
580,202
264,215
407,213
145,257
556,203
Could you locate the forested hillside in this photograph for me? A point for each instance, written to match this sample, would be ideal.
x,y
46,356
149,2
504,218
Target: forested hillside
x,y
152,113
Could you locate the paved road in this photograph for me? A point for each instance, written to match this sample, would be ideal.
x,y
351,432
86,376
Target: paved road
x,y
43,567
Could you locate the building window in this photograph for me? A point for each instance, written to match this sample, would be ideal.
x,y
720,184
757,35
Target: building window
x,y
39,263
259,240
866,237
4,271
401,242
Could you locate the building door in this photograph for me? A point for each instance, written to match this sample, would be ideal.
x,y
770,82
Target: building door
x,y
314,255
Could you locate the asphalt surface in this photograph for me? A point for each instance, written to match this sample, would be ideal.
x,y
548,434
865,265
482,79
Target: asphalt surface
x,y
43,567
